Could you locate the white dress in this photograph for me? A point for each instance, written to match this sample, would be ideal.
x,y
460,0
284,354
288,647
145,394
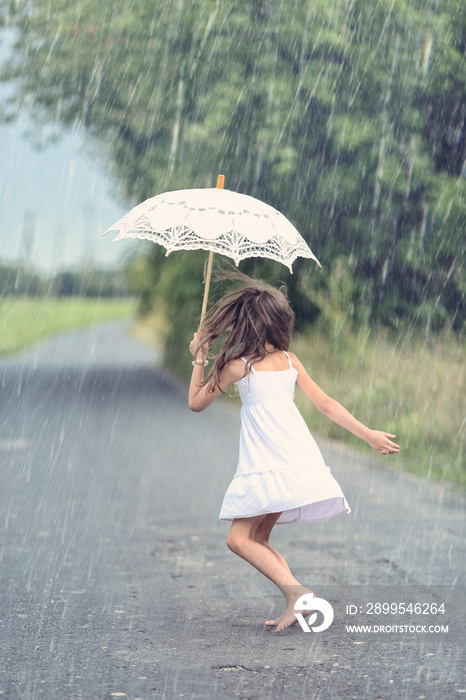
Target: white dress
x,y
280,467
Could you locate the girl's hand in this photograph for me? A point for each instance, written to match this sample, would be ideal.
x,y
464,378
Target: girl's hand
x,y
381,442
198,354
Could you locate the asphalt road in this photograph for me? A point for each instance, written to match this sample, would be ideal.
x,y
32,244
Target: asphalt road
x,y
116,580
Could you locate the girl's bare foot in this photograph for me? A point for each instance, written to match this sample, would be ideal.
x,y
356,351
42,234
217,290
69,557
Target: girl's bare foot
x,y
288,617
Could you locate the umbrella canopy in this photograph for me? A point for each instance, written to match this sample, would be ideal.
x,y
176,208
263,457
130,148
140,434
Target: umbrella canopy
x,y
217,220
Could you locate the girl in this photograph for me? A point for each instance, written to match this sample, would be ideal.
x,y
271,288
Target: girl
x,y
281,475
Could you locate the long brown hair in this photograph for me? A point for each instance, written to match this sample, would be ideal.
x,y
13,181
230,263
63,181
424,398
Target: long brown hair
x,y
253,315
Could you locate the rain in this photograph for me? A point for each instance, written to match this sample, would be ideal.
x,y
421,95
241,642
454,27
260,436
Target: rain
x,y
349,118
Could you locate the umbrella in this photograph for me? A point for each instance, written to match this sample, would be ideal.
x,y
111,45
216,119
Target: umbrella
x,y
216,220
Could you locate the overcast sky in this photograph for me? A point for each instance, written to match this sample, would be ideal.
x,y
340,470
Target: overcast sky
x,y
54,201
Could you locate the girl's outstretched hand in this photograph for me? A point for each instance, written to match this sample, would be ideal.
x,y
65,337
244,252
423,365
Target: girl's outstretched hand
x,y
381,442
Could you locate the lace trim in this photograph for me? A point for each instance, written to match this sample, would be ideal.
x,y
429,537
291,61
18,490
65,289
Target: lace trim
x,y
232,244
180,221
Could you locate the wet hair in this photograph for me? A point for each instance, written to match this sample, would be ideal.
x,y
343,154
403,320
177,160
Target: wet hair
x,y
253,315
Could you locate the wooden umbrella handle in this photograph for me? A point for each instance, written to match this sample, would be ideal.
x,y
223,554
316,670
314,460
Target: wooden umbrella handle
x,y
207,284
220,183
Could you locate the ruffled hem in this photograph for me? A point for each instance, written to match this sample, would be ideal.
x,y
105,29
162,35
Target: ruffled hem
x,y
300,494
303,513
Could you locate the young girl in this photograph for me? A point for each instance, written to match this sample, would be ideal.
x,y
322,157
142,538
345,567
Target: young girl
x,y
281,475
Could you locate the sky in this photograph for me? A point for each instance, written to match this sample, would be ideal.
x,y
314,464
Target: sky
x,y
55,200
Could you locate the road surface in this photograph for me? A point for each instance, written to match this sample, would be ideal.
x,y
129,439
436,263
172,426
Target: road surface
x,y
116,580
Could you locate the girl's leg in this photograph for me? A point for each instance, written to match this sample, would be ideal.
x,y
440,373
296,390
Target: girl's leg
x,y
241,540
263,532
249,540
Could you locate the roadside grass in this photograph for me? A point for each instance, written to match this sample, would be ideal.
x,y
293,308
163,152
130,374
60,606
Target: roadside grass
x,y
414,389
401,384
27,320
151,329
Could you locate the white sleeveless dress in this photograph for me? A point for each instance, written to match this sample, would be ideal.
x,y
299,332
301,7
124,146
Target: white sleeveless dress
x,y
280,467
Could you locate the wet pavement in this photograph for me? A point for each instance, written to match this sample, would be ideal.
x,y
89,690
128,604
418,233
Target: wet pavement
x,y
116,580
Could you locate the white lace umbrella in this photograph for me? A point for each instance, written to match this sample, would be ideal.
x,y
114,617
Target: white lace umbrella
x,y
217,220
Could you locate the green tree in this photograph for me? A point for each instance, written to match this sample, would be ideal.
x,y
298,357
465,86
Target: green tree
x,y
348,116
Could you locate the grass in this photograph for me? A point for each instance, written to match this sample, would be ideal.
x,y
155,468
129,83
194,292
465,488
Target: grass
x,y
414,389
402,385
27,320
150,329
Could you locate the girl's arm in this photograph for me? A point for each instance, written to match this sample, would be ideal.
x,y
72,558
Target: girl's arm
x,y
199,397
377,439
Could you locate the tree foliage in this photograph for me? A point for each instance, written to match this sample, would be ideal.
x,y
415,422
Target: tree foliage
x,y
348,116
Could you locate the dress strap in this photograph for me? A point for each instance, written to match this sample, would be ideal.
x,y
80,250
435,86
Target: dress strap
x,y
251,369
289,359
